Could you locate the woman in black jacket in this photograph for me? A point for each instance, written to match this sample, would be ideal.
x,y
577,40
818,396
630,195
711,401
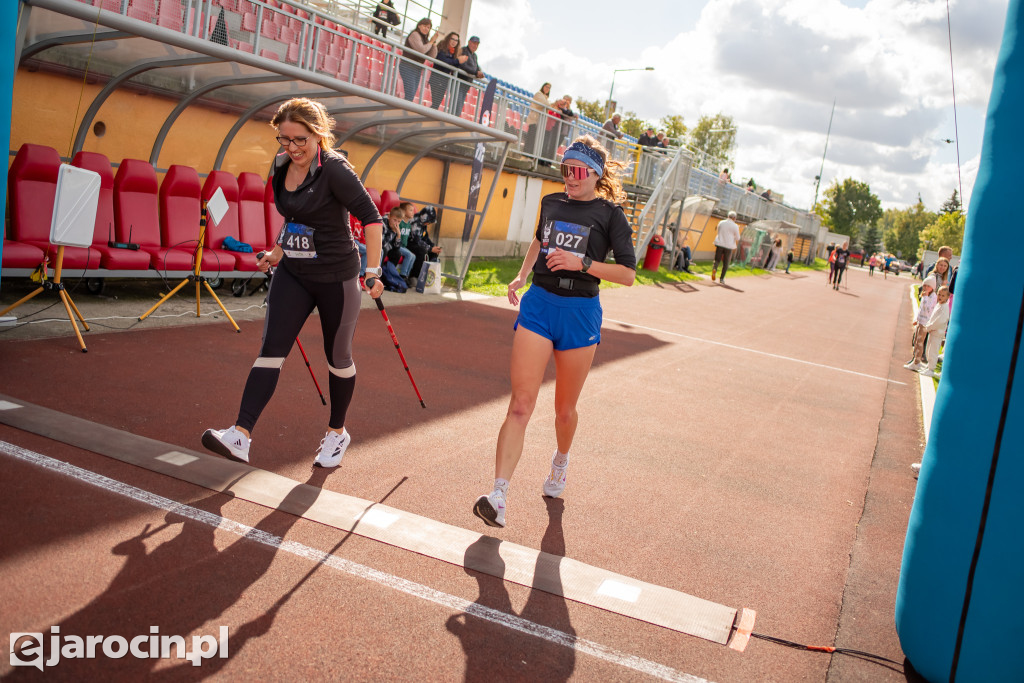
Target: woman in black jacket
x,y
448,63
315,188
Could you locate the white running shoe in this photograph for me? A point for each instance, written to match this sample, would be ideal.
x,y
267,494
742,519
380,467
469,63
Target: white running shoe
x,y
928,373
912,365
332,449
491,508
915,466
229,442
555,483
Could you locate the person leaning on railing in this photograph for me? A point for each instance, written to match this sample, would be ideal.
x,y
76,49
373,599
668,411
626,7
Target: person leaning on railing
x,y
533,123
419,46
448,63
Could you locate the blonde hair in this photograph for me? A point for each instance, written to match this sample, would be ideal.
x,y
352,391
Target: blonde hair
x,y
609,185
311,114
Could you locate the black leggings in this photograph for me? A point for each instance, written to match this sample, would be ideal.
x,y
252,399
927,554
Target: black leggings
x,y
289,304
839,275
724,255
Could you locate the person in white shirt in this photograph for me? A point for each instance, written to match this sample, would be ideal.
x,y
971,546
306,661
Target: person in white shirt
x,y
936,329
927,305
726,239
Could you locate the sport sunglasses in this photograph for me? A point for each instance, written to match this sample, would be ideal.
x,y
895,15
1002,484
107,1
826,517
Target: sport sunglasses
x,y
576,172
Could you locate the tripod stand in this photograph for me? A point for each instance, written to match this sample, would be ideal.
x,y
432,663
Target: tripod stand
x,y
56,285
195,277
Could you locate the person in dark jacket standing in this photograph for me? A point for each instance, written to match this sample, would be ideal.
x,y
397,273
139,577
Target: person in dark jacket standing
x,y
420,45
560,314
468,71
383,17
448,63
315,188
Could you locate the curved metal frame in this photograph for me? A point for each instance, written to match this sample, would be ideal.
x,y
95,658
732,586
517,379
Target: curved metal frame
x,y
116,81
158,143
69,38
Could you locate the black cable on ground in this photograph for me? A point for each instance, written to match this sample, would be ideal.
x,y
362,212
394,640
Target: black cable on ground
x,y
827,648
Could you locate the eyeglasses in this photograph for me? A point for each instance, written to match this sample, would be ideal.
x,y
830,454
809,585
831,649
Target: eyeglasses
x,y
284,142
453,39
577,172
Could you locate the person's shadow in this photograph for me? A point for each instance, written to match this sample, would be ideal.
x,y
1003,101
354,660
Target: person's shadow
x,y
182,587
497,652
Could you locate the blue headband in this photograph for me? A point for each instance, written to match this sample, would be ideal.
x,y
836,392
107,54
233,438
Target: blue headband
x,y
587,155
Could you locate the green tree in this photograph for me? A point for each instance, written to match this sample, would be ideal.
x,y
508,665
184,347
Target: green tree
x,y
632,124
951,205
947,229
590,108
716,136
870,239
850,205
673,126
901,229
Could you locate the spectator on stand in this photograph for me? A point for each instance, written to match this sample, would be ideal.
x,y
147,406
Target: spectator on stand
x,y
469,71
420,243
448,63
419,45
552,130
724,176
751,185
767,194
564,106
924,313
726,239
662,140
383,17
611,127
533,123
647,138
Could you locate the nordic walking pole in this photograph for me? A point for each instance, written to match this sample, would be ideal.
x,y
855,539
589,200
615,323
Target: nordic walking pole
x,y
301,350
380,305
308,367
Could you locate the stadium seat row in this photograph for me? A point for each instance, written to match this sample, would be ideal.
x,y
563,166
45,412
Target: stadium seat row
x,y
160,219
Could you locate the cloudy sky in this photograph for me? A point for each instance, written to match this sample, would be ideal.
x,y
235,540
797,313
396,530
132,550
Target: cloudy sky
x,y
776,66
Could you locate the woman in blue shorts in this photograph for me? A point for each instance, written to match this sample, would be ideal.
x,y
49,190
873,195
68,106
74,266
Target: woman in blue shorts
x,y
561,313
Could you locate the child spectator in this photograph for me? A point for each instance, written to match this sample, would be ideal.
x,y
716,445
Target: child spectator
x,y
789,260
419,236
400,256
936,329
927,306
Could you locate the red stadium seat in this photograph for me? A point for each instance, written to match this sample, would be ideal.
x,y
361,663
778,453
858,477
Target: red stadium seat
x,y
111,258
228,225
180,208
375,196
388,200
252,223
18,255
274,221
135,208
31,187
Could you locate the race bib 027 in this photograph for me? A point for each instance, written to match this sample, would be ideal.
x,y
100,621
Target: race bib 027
x,y
570,237
297,241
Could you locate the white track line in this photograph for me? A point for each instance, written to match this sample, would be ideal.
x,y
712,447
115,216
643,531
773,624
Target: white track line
x,y
749,350
447,601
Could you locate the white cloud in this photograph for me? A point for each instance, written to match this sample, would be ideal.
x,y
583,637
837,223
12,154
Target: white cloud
x,y
775,66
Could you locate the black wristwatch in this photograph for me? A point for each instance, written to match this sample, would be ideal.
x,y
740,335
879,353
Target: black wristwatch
x,y
586,264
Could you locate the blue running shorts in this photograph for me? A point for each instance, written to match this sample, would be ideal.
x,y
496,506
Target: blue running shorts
x,y
570,322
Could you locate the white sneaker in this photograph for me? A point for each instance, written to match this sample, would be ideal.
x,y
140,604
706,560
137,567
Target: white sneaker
x,y
916,466
229,442
491,508
555,483
928,373
332,449
912,365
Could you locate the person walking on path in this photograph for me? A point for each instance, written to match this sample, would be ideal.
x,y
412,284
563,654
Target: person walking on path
x,y
727,237
560,314
315,188
841,255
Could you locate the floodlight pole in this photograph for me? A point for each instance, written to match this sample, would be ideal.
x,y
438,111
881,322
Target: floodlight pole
x,y
608,108
817,181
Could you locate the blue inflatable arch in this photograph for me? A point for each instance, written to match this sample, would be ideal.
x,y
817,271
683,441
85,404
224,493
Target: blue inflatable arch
x,y
962,580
